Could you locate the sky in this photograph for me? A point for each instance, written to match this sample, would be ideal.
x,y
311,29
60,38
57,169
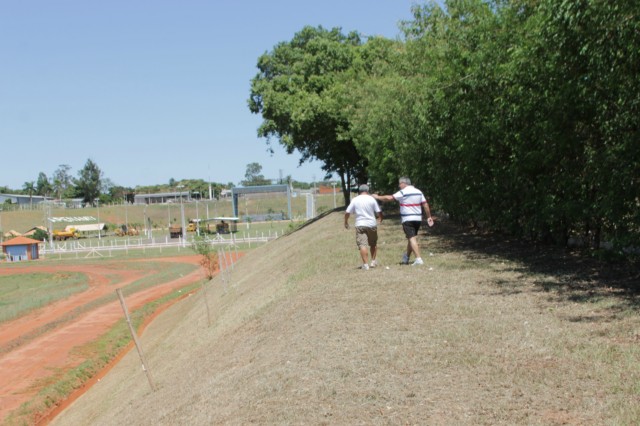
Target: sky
x,y
152,90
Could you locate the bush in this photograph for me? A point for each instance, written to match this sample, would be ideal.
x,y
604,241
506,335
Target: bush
x,y
40,235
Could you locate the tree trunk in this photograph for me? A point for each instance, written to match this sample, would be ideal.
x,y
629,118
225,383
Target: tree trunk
x,y
346,191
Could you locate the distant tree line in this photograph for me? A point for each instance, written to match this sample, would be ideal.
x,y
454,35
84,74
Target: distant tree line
x,y
91,186
520,115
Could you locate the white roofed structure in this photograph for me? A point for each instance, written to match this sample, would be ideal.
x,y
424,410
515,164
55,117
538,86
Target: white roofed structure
x,y
91,227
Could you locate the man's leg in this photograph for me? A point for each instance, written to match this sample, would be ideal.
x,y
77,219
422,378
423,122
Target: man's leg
x,y
364,253
412,245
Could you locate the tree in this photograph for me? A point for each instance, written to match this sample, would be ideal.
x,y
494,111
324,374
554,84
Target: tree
x,y
62,181
208,258
89,182
40,235
253,177
43,186
299,93
522,115
30,188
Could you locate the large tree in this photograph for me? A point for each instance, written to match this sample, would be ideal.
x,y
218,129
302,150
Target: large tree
x,y
43,186
89,182
62,181
253,175
299,93
30,188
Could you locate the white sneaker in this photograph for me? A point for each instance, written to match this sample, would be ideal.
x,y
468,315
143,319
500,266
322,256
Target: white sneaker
x,y
374,263
405,259
365,267
418,261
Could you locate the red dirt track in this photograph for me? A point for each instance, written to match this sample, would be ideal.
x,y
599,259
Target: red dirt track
x,y
26,361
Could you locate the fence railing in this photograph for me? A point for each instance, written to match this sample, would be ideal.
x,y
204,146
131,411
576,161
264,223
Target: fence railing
x,y
94,246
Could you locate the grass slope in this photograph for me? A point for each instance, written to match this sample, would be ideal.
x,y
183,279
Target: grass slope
x,y
479,335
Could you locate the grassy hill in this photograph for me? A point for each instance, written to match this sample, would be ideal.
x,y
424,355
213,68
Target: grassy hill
x,y
158,216
487,332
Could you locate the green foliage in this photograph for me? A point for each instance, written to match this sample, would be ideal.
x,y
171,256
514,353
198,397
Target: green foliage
x,y
29,188
40,235
253,177
519,115
63,182
208,256
89,183
43,186
300,93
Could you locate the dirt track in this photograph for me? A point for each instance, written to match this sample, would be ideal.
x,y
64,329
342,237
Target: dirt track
x,y
26,361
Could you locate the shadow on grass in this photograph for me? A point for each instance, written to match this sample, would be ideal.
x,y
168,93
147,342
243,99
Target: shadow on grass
x,y
571,275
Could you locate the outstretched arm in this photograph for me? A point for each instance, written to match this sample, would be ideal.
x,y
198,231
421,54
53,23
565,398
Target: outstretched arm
x,y
383,197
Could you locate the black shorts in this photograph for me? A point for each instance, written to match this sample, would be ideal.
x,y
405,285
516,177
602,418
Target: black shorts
x,y
411,228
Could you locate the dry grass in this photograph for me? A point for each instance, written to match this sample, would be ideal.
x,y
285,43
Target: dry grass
x,y
487,332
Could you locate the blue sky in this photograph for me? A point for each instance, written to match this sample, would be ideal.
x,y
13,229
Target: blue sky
x,y
152,90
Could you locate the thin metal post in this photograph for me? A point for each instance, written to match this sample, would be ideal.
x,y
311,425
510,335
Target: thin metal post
x,y
143,361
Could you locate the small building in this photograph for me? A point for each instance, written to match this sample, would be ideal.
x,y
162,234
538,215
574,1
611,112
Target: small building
x,y
21,248
33,230
227,224
162,197
22,200
91,228
12,234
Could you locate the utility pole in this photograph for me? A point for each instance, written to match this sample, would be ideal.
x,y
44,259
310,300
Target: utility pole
x,y
99,230
333,184
184,228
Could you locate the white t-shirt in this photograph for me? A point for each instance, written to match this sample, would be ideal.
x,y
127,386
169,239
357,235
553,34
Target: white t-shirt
x,y
410,199
366,209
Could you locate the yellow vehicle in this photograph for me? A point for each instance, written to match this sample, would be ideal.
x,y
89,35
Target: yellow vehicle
x,y
65,234
175,231
192,227
226,225
125,230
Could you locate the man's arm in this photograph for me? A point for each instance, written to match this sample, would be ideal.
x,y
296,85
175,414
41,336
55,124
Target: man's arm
x,y
346,220
383,197
427,210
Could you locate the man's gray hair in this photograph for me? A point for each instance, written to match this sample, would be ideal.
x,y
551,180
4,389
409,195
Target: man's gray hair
x,y
405,179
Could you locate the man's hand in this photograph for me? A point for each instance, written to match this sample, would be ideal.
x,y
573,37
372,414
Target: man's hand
x,y
430,222
346,225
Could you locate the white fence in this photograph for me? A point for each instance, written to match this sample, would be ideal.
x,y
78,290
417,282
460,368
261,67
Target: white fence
x,y
98,246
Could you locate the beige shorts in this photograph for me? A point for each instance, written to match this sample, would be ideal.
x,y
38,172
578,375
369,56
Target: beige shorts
x,y
366,236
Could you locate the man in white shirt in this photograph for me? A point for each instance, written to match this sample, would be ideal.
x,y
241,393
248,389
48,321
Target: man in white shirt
x,y
366,210
412,201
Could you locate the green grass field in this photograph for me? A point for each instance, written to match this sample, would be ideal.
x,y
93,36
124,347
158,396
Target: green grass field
x,y
20,294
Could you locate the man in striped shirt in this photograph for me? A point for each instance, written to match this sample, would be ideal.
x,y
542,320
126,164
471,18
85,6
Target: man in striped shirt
x,y
412,201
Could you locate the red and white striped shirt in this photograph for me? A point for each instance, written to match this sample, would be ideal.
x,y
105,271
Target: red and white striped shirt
x,y
410,199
